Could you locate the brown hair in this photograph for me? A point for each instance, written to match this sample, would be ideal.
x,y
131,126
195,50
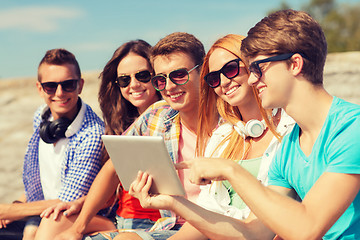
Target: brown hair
x,y
118,113
290,31
179,42
60,56
211,105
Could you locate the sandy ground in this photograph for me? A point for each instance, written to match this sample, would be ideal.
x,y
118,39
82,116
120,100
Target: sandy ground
x,y
19,99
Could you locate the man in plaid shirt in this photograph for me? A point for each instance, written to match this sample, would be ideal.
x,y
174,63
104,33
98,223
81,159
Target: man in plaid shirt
x,y
63,155
177,60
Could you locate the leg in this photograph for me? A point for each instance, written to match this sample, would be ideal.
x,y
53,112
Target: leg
x,y
32,225
127,236
49,228
29,232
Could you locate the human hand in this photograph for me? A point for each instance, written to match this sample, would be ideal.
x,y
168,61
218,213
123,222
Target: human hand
x,y
69,208
4,223
205,170
140,189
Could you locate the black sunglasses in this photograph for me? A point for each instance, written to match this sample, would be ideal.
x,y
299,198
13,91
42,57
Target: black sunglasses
x,y
179,77
67,86
256,70
142,76
230,70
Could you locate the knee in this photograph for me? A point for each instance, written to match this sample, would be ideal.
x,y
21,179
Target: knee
x,y
127,236
29,232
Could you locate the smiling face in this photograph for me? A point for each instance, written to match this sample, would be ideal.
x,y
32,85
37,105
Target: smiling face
x,y
183,98
61,103
275,86
235,91
139,94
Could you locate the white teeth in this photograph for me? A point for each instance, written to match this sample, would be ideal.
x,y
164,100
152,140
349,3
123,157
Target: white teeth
x,y
261,90
176,95
231,90
136,93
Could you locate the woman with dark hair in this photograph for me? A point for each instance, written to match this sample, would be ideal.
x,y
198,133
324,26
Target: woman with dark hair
x,y
125,92
134,97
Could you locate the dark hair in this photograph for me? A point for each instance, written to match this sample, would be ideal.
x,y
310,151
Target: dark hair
x,y
290,31
118,113
180,42
60,56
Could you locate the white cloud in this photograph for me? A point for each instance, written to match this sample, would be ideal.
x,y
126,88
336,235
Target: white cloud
x,y
36,19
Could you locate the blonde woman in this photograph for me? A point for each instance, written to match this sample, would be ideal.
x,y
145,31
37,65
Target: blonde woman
x,y
245,133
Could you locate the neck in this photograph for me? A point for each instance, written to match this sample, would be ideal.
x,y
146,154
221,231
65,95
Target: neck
x,y
190,121
250,110
309,116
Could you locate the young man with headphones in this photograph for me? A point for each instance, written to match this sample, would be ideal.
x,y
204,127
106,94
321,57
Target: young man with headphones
x,y
63,155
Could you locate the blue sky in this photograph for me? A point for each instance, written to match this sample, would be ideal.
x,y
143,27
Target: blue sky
x,y
92,30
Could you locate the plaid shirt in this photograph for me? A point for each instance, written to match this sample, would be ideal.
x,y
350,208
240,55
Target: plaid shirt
x,y
81,163
160,120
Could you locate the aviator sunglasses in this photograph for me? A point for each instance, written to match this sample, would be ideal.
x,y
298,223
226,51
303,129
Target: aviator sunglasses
x,y
67,86
230,70
142,76
179,77
256,70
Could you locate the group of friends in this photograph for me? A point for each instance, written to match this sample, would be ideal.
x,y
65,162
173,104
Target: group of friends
x,y
262,149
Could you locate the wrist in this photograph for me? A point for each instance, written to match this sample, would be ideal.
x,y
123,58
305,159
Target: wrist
x,y
231,171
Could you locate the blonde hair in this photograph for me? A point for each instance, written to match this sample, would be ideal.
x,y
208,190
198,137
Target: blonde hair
x,y
212,106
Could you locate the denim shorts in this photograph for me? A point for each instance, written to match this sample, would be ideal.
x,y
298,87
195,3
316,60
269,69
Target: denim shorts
x,y
158,235
123,223
133,223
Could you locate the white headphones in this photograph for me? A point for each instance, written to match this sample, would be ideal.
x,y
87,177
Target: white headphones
x,y
253,128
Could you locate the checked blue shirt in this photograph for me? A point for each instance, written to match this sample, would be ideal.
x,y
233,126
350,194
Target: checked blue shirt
x,y
81,163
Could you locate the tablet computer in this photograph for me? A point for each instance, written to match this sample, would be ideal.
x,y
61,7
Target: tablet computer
x,y
129,154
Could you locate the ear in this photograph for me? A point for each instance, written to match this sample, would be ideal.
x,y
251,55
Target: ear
x,y
81,85
297,64
40,89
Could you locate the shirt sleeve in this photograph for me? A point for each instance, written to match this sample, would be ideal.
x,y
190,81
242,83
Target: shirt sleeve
x,y
344,149
277,170
83,167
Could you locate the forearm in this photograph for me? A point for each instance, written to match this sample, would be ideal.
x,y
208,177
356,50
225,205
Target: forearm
x,y
310,219
17,211
217,226
101,190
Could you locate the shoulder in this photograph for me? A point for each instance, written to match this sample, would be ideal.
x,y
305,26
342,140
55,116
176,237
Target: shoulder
x,y
92,125
37,115
342,110
160,110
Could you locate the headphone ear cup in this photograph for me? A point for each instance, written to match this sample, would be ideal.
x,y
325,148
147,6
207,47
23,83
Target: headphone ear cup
x,y
50,132
59,127
45,134
254,128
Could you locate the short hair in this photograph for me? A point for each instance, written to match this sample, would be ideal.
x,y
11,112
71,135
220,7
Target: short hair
x,y
179,42
60,56
290,31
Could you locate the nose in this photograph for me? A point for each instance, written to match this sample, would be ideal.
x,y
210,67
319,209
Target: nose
x,y
224,81
252,80
134,82
169,84
59,91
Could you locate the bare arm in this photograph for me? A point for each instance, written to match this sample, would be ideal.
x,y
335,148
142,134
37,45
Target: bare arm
x,y
207,223
311,219
17,211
